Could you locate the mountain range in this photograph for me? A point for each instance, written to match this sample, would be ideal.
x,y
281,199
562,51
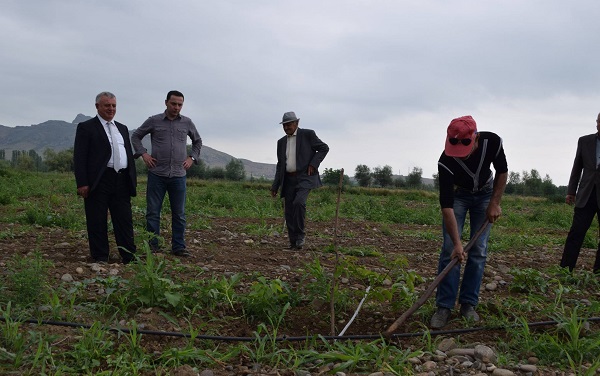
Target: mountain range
x,y
60,135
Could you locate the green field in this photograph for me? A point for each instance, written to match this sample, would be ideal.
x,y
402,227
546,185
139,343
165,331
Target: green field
x,y
382,235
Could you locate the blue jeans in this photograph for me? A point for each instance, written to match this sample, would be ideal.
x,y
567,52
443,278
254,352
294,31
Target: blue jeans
x,y
157,187
476,204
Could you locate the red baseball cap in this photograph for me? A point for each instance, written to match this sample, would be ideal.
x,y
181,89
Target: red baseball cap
x,y
461,135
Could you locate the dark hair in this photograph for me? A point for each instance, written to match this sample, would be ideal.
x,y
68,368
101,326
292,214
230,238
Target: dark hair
x,y
174,93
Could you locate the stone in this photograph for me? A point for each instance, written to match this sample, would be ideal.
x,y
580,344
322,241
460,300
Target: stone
x,y
485,354
502,372
79,270
492,286
447,344
463,352
429,365
67,277
207,372
528,368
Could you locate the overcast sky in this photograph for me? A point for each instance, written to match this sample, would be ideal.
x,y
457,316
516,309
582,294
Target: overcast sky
x,y
379,81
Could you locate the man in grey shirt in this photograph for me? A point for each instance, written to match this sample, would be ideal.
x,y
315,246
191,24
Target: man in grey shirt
x,y
167,166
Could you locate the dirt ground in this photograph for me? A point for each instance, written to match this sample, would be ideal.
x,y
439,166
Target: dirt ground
x,y
225,249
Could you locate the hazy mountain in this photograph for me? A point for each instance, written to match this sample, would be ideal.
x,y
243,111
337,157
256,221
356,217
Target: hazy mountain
x,y
59,135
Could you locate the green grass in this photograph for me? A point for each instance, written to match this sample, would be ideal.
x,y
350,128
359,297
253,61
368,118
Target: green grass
x,y
194,301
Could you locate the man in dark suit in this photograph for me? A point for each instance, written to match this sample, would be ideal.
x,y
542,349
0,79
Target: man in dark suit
x,y
586,198
106,179
299,155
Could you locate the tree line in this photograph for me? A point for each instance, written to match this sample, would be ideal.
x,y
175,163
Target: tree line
x,y
62,161
525,183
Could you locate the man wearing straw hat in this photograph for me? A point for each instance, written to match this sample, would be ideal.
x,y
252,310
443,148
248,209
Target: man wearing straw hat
x,y
467,184
299,154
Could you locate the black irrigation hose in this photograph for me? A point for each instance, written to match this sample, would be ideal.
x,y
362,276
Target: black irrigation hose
x,y
291,339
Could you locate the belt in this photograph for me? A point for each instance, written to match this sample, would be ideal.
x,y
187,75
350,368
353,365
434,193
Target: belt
x,y
121,171
291,173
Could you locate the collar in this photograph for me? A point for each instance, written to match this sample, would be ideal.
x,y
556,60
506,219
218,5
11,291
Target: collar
x,y
104,121
166,117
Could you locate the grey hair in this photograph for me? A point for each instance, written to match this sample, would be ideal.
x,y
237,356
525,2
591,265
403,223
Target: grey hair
x,y
104,94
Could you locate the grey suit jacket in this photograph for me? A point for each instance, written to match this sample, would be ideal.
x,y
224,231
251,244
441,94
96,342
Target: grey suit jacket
x,y
582,184
310,150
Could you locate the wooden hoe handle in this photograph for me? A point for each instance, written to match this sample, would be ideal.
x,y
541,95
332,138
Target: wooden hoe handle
x,y
434,284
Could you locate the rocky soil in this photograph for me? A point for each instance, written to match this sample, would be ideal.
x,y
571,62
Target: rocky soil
x,y
225,249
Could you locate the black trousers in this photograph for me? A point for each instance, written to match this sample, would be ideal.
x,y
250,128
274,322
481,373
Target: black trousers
x,y
111,194
295,208
582,219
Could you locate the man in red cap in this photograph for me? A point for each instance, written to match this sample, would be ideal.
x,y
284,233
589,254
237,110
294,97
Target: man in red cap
x,y
467,184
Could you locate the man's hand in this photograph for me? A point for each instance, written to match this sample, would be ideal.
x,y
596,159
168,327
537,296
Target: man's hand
x,y
188,163
493,212
311,170
273,193
459,252
83,191
570,199
149,160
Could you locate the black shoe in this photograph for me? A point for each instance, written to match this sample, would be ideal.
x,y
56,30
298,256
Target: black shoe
x,y
290,247
92,260
299,244
181,252
155,248
468,312
440,318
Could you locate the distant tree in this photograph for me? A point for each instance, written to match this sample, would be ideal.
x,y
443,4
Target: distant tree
x,y
382,176
548,189
513,185
2,154
234,170
217,173
61,161
363,176
532,183
400,182
198,171
332,177
436,181
24,162
414,178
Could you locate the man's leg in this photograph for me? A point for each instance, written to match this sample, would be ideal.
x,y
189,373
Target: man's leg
x,y
177,193
155,194
582,219
448,288
299,215
289,194
122,219
476,259
96,215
